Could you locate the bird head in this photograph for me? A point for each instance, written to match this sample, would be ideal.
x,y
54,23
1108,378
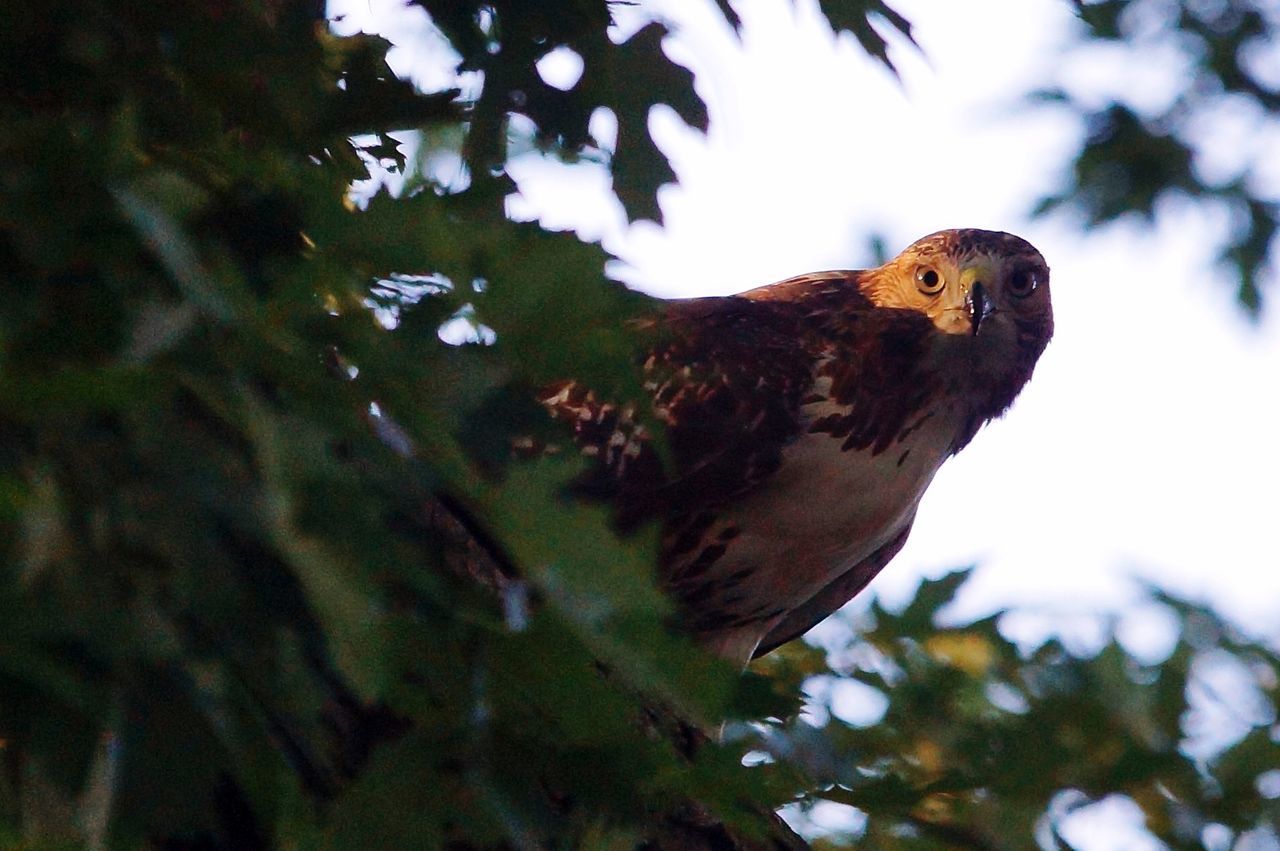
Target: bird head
x,y
967,281
987,292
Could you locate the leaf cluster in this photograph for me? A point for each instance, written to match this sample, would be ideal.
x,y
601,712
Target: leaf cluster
x,y
225,409
986,745
1137,154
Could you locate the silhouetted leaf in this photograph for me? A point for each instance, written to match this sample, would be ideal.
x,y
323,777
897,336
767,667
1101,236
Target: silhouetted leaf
x,y
857,16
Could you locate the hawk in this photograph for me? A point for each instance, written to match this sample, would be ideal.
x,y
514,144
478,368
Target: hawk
x,y
804,420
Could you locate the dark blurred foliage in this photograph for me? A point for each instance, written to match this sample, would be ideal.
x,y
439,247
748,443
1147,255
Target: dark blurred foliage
x,y
1224,97
228,419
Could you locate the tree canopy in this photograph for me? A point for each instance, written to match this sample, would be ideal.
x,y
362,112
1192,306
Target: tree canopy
x,y
227,409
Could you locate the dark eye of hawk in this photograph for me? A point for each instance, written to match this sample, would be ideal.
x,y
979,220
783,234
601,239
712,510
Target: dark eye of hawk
x,y
1023,282
928,280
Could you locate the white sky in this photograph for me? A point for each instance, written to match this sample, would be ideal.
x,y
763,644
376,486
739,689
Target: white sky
x,y
1148,443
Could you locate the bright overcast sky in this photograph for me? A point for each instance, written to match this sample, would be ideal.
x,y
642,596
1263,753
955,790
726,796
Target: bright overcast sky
x,y
1147,442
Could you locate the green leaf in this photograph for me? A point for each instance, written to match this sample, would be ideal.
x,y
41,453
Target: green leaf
x,y
630,79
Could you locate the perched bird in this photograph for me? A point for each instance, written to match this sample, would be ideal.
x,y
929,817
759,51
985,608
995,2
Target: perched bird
x,y
805,420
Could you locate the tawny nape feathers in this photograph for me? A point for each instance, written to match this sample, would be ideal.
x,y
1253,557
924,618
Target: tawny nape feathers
x,y
806,419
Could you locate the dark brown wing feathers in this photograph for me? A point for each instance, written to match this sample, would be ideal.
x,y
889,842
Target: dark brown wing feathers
x,y
728,378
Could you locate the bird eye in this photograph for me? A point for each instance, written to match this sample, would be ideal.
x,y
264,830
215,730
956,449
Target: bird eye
x,y
928,280
1023,282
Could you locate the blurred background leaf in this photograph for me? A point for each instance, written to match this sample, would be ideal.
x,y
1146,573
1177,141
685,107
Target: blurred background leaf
x,y
1137,156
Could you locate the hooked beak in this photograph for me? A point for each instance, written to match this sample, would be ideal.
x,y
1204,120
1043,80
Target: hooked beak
x,y
979,306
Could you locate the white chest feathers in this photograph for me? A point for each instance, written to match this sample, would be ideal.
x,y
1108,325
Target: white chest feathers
x,y
828,508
